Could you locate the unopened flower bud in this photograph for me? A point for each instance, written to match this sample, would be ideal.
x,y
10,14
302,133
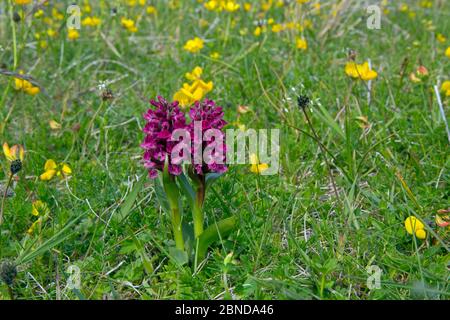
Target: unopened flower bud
x,y
303,101
8,272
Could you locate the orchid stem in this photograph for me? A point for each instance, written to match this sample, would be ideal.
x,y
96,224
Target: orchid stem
x,y
171,189
198,220
197,212
176,225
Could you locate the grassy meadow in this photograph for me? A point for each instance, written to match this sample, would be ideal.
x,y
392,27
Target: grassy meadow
x,y
362,189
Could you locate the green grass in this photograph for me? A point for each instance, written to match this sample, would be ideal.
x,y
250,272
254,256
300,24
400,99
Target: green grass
x,y
295,239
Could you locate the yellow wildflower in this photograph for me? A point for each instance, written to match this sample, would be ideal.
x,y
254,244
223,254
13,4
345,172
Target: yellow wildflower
x,y
302,44
51,33
51,169
426,4
256,166
151,10
43,44
22,2
211,5
443,218
90,21
72,34
257,31
57,15
129,25
194,45
39,208
447,52
16,152
446,88
54,125
39,13
415,226
230,6
30,231
87,8
277,28
25,86
188,94
195,74
265,6
215,55
360,71
441,38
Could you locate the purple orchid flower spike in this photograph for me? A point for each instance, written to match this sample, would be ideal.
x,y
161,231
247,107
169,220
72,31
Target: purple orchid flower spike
x,y
161,122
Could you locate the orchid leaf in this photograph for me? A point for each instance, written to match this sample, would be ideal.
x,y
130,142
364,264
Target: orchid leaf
x,y
212,177
214,233
187,189
130,200
178,255
161,196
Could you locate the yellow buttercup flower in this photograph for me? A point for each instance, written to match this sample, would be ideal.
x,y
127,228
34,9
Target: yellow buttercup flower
x,y
215,55
194,45
51,169
256,166
38,222
230,6
87,8
39,13
43,44
91,21
22,2
301,44
151,10
16,152
195,74
129,25
195,91
211,5
265,6
360,71
259,30
426,4
51,33
446,88
415,226
25,86
441,38
39,208
72,34
447,52
277,28
57,15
